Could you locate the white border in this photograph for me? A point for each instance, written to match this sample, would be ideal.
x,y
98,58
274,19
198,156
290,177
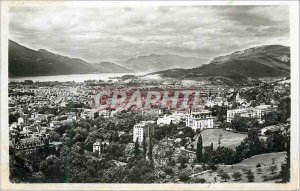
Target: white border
x,y
294,44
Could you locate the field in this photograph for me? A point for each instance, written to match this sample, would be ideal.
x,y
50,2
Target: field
x,y
229,139
265,159
250,164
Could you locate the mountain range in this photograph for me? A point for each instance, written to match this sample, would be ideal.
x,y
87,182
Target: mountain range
x,y
27,62
256,62
158,62
260,61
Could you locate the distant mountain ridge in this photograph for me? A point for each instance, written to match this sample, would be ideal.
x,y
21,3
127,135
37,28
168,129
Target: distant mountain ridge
x,y
256,62
27,62
158,62
111,67
270,55
261,61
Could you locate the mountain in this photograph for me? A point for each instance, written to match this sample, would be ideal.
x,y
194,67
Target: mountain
x,y
27,62
157,62
256,62
109,67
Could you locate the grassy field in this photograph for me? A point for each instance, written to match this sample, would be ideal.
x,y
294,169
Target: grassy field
x,y
265,159
229,139
250,164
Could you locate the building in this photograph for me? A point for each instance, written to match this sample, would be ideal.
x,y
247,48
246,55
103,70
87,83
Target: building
x,y
200,120
251,112
143,130
262,110
29,144
99,146
107,113
166,120
88,113
242,112
219,101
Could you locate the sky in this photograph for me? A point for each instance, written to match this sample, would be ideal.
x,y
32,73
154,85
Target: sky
x,y
115,34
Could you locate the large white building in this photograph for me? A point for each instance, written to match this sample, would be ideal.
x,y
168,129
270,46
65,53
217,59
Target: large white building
x,y
175,118
252,112
200,120
242,112
142,130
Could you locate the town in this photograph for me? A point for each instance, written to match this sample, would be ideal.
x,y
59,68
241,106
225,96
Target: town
x,y
57,134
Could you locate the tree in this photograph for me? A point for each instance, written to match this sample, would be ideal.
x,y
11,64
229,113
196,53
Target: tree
x,y
224,155
144,147
275,142
273,160
284,109
236,176
183,159
150,152
251,145
249,175
199,151
125,138
242,124
273,169
136,150
171,162
202,180
219,141
285,167
208,155
114,151
141,171
18,170
224,175
115,175
199,180
168,170
184,176
259,170
52,168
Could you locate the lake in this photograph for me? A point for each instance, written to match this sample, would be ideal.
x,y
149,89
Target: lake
x,y
74,77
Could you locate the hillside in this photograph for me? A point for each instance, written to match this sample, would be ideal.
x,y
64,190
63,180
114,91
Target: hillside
x,y
262,61
157,62
27,62
108,67
229,139
266,159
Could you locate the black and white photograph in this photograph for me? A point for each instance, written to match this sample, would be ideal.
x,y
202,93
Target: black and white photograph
x,y
170,95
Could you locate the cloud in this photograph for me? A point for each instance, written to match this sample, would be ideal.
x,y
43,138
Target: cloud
x,y
100,33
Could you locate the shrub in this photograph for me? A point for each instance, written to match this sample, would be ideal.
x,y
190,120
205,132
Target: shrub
x,y
199,180
202,180
237,176
259,170
184,176
224,175
250,176
168,170
198,169
273,169
269,178
213,167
